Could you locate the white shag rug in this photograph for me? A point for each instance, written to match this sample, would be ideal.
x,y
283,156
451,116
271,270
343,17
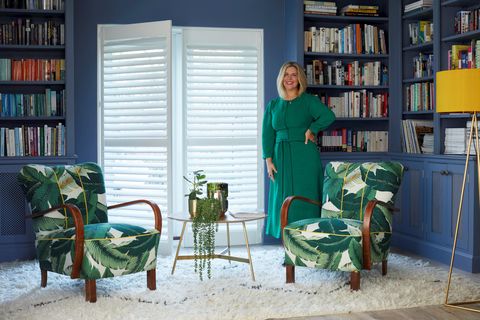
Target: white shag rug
x,y
230,293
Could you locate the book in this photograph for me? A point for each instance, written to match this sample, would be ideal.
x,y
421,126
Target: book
x,y
247,215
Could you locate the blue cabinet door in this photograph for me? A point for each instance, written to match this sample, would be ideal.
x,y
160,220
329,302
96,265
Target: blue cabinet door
x,y
444,184
410,200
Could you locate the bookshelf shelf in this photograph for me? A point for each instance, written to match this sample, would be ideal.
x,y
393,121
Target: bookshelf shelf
x,y
345,55
456,116
463,36
362,119
419,47
426,112
458,3
337,87
26,13
31,48
32,83
344,19
418,14
416,80
4,119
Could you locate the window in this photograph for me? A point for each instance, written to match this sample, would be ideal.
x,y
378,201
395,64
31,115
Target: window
x,y
215,116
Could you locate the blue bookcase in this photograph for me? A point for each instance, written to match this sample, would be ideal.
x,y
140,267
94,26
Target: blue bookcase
x,y
16,237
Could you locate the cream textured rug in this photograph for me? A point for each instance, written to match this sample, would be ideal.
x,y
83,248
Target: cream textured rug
x,y
230,294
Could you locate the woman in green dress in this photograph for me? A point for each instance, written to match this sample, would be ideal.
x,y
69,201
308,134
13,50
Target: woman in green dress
x,y
290,126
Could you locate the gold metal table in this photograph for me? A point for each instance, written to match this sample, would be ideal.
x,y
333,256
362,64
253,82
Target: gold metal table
x,y
226,220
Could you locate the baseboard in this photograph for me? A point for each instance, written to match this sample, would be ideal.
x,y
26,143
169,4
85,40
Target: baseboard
x,y
442,254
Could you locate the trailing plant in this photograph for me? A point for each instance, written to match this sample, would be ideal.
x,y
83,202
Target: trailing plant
x,y
196,184
204,227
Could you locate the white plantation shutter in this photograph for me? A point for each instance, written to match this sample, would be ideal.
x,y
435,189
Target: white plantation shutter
x,y
135,118
223,97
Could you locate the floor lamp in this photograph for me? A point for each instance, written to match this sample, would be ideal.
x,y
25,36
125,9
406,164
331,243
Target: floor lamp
x,y
459,91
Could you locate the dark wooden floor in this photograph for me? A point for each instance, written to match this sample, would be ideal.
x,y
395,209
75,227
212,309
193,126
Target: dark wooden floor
x,y
438,312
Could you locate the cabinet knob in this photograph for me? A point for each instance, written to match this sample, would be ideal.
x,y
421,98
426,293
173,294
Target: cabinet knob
x,y
405,168
444,172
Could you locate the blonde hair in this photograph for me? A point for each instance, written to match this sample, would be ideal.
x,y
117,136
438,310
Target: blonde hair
x,y
302,78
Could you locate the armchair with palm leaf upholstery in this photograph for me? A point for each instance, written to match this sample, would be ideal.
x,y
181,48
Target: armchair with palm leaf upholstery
x,y
73,235
355,226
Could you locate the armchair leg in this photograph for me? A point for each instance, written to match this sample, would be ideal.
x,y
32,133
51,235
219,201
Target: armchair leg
x,y
90,290
151,279
44,278
384,267
355,280
290,273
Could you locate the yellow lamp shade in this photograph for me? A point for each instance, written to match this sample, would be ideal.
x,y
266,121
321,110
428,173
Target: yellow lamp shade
x,y
458,90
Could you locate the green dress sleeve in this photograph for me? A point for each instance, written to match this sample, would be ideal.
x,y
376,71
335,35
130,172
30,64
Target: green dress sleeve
x,y
268,134
322,115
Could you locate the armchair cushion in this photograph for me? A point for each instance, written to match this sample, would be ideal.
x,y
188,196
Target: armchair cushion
x,y
331,243
109,250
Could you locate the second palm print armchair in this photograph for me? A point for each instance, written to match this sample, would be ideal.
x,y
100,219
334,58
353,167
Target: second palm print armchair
x,y
355,226
73,235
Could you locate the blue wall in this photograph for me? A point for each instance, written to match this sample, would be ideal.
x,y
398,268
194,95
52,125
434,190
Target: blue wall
x,y
268,15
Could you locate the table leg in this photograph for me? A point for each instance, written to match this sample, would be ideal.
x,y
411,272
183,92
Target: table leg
x,y
228,240
179,244
250,262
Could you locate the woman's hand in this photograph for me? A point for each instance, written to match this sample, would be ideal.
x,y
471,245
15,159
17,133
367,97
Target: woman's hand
x,y
310,136
271,169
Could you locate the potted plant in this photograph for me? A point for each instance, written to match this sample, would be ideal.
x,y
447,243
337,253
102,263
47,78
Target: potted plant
x,y
196,184
204,227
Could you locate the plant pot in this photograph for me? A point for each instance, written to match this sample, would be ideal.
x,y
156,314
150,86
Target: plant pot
x,y
192,207
219,191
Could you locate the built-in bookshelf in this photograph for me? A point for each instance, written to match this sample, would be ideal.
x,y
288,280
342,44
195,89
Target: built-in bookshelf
x,y
418,69
36,87
346,58
459,48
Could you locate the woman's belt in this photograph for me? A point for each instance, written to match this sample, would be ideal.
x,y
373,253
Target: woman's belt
x,y
291,134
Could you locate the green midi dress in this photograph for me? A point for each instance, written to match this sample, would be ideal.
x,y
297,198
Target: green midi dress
x,y
299,169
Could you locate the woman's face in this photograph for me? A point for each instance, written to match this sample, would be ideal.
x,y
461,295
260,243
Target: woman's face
x,y
290,79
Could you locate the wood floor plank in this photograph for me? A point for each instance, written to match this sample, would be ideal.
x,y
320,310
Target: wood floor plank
x,y
418,313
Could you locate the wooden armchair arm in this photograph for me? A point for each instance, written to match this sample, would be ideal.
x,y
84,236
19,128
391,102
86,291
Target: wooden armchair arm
x,y
286,206
79,233
156,210
367,220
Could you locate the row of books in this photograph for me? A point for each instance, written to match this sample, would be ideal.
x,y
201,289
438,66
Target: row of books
x,y
320,7
417,136
354,38
419,96
420,32
32,141
354,73
359,10
50,103
32,69
23,32
358,104
467,20
423,65
464,56
330,8
456,140
32,4
348,140
418,5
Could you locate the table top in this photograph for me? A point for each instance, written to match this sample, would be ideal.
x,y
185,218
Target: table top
x,y
230,217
